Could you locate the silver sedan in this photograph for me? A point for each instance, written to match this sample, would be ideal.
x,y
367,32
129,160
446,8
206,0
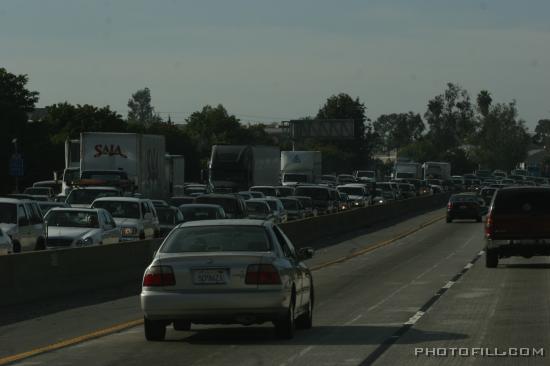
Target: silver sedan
x,y
227,272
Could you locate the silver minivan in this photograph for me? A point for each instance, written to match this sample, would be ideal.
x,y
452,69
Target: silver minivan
x,y
137,217
22,221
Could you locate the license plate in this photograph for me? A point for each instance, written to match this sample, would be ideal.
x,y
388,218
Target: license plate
x,y
463,207
210,276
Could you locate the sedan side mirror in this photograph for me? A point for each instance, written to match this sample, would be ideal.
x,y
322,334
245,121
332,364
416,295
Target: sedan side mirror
x,y
306,253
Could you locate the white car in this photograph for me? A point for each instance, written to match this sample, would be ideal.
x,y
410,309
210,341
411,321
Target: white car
x,y
357,193
84,196
6,246
137,217
80,227
22,221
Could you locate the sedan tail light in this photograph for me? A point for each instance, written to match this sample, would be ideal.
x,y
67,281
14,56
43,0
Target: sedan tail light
x,y
159,276
489,225
262,274
449,206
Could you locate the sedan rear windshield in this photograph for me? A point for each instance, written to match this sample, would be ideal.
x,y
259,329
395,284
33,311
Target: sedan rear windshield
x,y
464,198
195,213
229,204
255,208
217,239
290,204
527,201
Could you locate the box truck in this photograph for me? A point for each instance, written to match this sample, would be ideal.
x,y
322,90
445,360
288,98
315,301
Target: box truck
x,y
234,168
175,174
407,170
140,157
300,167
437,170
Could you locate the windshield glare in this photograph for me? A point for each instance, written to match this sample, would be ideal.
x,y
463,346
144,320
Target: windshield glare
x,y
120,209
81,219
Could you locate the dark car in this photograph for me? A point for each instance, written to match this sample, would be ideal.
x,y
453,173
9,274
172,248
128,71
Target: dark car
x,y
285,191
323,199
233,204
169,217
197,212
464,206
181,200
517,224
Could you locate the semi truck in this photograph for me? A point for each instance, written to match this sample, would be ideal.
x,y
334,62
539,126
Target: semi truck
x,y
407,170
141,157
437,170
234,168
175,174
300,167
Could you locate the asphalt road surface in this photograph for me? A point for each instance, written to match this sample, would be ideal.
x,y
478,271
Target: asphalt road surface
x,y
419,296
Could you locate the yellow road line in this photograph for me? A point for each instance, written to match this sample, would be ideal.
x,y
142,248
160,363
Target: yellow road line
x,y
70,342
133,323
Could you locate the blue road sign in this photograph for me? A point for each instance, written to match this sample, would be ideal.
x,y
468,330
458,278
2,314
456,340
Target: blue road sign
x,y
16,166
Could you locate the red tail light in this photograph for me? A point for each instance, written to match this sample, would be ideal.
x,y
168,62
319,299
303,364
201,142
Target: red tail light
x,y
489,225
262,274
159,276
449,206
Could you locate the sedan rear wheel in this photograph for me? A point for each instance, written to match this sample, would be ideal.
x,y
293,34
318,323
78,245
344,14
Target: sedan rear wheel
x,y
305,321
154,330
286,326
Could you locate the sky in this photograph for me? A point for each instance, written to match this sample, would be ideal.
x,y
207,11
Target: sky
x,y
279,60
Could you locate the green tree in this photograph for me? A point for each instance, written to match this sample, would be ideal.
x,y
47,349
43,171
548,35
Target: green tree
x,y
140,110
213,125
68,121
484,101
503,140
450,117
16,101
542,133
398,130
343,106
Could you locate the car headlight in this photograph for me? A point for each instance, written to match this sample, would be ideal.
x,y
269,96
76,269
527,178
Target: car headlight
x,y
381,201
356,203
129,231
84,242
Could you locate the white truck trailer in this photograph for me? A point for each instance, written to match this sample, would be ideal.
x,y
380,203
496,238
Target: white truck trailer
x,y
141,157
300,167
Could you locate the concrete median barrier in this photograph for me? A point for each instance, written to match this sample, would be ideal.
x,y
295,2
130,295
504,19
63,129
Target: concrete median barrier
x,y
28,277
37,276
312,231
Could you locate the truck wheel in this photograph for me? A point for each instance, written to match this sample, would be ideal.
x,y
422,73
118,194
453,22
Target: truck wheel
x,y
16,246
491,258
155,330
